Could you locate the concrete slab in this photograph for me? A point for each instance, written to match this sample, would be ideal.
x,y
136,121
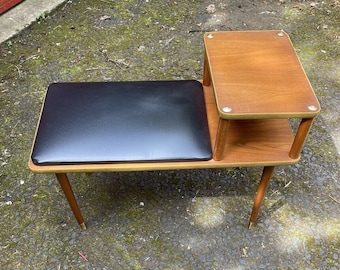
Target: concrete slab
x,y
22,15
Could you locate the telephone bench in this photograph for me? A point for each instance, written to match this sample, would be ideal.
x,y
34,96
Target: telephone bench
x,y
237,116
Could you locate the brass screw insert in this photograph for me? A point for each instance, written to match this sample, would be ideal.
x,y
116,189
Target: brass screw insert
x,y
312,108
226,109
280,34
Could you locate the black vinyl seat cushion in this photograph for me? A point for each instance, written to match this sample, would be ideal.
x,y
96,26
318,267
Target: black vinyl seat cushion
x,y
113,122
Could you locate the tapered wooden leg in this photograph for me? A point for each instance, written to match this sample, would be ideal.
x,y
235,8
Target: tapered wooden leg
x,y
221,138
261,192
206,73
300,137
66,187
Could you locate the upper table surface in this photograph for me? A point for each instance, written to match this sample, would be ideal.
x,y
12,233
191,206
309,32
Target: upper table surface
x,y
257,74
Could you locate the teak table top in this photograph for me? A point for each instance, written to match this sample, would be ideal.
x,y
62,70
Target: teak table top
x,y
257,74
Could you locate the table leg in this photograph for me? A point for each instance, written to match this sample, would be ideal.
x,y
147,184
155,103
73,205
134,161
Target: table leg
x,y
206,73
221,137
300,137
66,187
261,192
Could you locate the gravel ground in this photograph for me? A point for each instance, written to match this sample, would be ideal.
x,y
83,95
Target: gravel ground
x,y
194,219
